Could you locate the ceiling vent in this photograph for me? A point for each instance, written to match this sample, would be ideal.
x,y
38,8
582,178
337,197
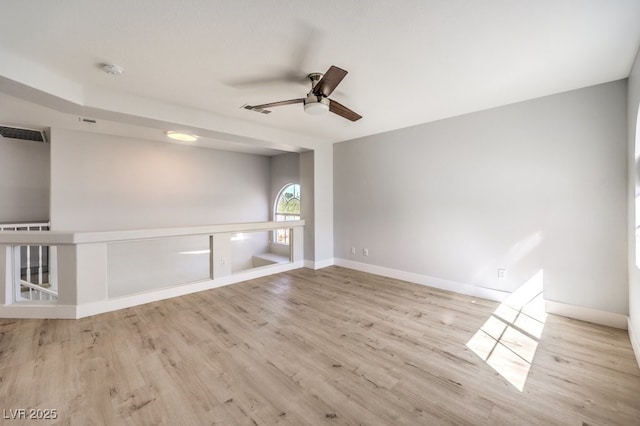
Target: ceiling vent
x,y
23,134
260,110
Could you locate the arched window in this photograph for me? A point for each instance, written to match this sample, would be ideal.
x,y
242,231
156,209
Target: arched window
x,y
287,207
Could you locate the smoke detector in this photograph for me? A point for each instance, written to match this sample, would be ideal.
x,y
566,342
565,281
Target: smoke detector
x,y
112,69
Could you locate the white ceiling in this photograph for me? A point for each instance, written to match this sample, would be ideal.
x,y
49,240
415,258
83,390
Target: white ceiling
x,y
193,64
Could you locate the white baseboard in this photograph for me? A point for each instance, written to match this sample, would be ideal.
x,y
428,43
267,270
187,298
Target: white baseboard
x,y
571,311
635,340
123,302
54,311
468,289
319,264
40,311
595,316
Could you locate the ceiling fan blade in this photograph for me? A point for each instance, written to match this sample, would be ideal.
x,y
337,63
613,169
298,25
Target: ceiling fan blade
x,y
305,39
277,104
329,81
343,111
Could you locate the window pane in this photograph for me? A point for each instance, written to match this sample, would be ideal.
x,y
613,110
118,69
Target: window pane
x,y
287,208
282,236
289,200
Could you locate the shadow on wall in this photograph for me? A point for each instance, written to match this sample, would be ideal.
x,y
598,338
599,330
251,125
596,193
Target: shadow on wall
x,y
508,339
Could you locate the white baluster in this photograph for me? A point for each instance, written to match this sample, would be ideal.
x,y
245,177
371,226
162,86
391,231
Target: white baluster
x,y
28,266
40,282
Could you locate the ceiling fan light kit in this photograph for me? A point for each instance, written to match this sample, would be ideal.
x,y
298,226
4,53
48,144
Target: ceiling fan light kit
x,y
315,106
317,100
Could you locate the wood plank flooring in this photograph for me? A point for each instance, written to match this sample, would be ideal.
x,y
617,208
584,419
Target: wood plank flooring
x,y
332,346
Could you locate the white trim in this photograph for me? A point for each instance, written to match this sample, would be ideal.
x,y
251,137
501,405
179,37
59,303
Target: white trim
x,y
70,237
6,274
32,310
635,340
463,288
55,311
595,316
123,302
319,264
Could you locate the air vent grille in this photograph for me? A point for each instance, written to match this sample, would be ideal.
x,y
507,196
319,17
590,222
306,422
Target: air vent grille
x,y
260,110
22,134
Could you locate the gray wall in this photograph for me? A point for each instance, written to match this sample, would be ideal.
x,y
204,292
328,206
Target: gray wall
x,y
24,181
102,182
307,204
633,101
538,185
285,169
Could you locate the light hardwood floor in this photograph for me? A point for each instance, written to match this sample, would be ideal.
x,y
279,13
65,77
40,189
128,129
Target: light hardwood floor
x,y
332,346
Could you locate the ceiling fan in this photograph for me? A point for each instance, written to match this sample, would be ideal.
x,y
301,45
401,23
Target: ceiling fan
x,y
317,100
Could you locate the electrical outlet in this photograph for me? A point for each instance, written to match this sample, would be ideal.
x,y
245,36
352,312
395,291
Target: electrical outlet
x,y
353,250
223,261
502,274
365,251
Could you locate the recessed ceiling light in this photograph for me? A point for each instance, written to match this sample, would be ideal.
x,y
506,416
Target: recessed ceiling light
x,y
182,137
112,69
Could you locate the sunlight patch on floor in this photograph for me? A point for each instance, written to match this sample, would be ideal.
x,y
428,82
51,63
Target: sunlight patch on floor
x,y
508,339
